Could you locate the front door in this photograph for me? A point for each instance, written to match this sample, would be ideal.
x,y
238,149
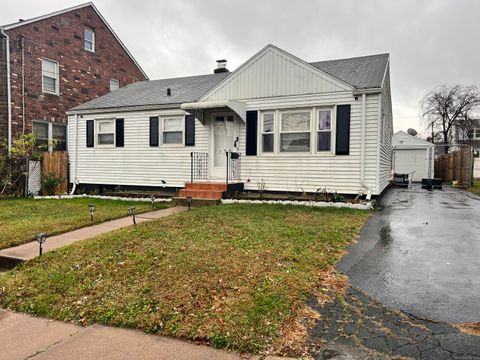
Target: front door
x,y
225,138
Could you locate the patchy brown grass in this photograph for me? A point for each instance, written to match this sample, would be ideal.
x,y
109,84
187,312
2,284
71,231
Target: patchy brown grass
x,y
235,276
472,328
21,219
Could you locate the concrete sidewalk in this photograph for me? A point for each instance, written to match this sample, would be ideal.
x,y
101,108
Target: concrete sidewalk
x,y
29,251
23,336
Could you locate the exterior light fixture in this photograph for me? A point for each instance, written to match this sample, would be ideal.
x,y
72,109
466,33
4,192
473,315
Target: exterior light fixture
x,y
189,202
41,238
91,208
152,198
132,211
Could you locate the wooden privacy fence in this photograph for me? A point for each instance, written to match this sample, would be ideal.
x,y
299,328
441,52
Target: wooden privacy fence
x,y
56,163
457,165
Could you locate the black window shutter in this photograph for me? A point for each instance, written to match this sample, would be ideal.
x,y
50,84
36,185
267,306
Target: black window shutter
x,y
252,125
154,131
119,133
189,130
342,145
90,133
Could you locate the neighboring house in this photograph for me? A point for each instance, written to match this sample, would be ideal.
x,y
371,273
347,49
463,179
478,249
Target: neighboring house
x,y
469,135
54,62
412,155
296,126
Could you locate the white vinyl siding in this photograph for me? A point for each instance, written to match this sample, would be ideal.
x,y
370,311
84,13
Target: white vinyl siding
x,y
139,164
50,76
274,74
385,133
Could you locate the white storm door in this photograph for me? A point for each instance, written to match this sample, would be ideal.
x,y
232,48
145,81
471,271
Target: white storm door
x,y
224,139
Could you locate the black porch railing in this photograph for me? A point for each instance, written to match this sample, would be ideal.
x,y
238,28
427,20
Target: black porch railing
x,y
198,166
233,166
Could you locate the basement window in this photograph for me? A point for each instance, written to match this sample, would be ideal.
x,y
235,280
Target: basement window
x,y
89,37
295,131
172,130
105,132
50,76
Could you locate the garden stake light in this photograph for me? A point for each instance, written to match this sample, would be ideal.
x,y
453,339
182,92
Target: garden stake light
x,y
91,208
189,202
131,211
152,198
41,238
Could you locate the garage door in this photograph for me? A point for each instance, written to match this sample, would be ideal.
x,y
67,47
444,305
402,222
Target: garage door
x,y
407,161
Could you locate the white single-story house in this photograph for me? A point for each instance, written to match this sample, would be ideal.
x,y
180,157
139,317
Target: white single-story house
x,y
276,123
412,155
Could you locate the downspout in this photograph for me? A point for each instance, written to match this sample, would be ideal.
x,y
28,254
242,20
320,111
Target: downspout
x,y
75,180
362,149
9,90
22,42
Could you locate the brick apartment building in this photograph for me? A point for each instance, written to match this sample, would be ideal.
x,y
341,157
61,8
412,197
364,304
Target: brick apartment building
x,y
54,62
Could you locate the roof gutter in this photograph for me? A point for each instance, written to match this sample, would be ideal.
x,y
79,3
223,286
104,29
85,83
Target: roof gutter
x,y
9,93
122,108
358,92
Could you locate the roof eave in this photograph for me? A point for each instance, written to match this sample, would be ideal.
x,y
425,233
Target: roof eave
x,y
112,109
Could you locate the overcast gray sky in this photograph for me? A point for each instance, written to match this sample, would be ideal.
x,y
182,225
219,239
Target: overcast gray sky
x,y
430,42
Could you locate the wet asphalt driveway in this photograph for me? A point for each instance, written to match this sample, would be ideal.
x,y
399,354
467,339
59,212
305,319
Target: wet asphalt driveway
x,y
421,254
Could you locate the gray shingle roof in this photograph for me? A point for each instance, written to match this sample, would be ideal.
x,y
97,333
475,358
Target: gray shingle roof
x,y
362,72
154,92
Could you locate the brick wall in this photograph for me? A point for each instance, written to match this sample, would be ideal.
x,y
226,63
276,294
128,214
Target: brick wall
x,y
83,75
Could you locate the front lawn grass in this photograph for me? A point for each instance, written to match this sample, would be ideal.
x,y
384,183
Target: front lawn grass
x,y
235,275
475,189
21,219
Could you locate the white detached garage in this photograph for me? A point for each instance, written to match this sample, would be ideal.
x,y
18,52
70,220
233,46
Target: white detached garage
x,y
412,155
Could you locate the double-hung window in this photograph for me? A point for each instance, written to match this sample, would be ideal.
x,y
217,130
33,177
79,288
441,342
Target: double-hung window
x,y
40,131
172,130
89,37
50,76
324,131
59,135
295,131
268,131
106,132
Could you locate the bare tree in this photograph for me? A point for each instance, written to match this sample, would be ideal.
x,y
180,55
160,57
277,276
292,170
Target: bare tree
x,y
412,132
446,107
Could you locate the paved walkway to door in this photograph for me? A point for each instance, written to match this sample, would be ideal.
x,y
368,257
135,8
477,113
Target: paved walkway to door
x,y
23,336
421,254
30,250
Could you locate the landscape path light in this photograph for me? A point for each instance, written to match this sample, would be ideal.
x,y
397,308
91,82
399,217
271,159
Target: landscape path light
x,y
91,208
41,238
132,211
152,198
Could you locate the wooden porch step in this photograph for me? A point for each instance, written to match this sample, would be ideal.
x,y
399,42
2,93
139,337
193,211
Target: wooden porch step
x,y
210,186
201,194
